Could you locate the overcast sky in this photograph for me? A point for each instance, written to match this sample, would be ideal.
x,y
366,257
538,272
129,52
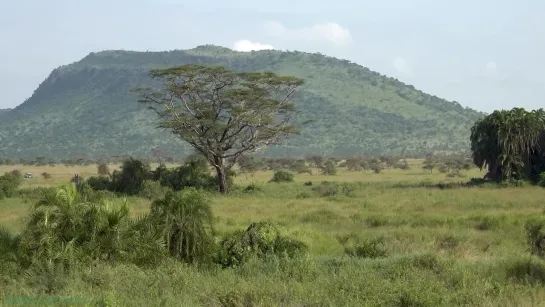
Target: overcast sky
x,y
484,54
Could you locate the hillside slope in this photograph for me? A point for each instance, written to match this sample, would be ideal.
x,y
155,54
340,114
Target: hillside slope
x,y
87,108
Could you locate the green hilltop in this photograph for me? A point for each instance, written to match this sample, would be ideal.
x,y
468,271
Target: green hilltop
x,y
86,108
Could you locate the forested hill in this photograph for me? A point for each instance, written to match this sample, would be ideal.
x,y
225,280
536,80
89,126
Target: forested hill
x,y
86,108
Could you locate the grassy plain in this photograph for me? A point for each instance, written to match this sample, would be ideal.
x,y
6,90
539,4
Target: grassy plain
x,y
444,247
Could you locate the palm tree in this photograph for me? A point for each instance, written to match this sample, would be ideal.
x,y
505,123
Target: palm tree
x,y
64,226
506,140
186,220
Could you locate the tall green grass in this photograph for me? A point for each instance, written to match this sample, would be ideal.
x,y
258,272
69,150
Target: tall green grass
x,y
449,246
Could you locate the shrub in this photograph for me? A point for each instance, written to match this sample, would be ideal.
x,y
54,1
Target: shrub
x,y
541,181
152,189
282,176
129,180
251,188
65,228
260,240
330,189
185,219
535,237
448,242
377,168
99,183
301,167
9,183
526,270
362,248
403,165
193,173
329,168
103,169
303,195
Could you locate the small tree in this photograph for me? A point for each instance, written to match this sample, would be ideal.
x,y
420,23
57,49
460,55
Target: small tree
x,y
329,168
103,169
223,114
282,176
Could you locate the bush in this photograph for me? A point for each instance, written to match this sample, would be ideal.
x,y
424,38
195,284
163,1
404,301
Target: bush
x,y
282,176
258,240
99,183
301,167
362,248
251,188
9,183
65,228
185,219
541,180
129,180
403,165
330,189
153,190
103,169
377,168
193,173
329,168
535,237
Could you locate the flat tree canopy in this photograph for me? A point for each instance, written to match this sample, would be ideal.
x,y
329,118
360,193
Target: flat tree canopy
x,y
221,113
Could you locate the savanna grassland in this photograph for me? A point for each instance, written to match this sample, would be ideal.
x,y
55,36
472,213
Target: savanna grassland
x,y
398,238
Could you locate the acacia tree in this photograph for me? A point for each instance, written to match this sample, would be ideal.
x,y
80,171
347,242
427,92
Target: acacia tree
x,y
508,142
221,113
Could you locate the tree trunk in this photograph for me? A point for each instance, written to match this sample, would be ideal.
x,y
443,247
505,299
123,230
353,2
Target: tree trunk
x,y
222,175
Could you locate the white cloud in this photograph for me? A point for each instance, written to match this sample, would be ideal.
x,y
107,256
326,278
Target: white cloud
x,y
491,66
327,32
246,45
402,66
490,70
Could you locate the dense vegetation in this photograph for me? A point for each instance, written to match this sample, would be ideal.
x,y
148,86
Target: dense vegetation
x,y
86,108
290,242
510,143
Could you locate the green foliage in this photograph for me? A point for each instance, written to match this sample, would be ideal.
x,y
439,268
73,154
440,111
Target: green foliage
x,y
185,219
355,246
535,236
380,115
9,182
223,114
541,181
64,229
282,176
258,240
129,180
99,183
329,168
331,189
193,173
152,190
508,143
